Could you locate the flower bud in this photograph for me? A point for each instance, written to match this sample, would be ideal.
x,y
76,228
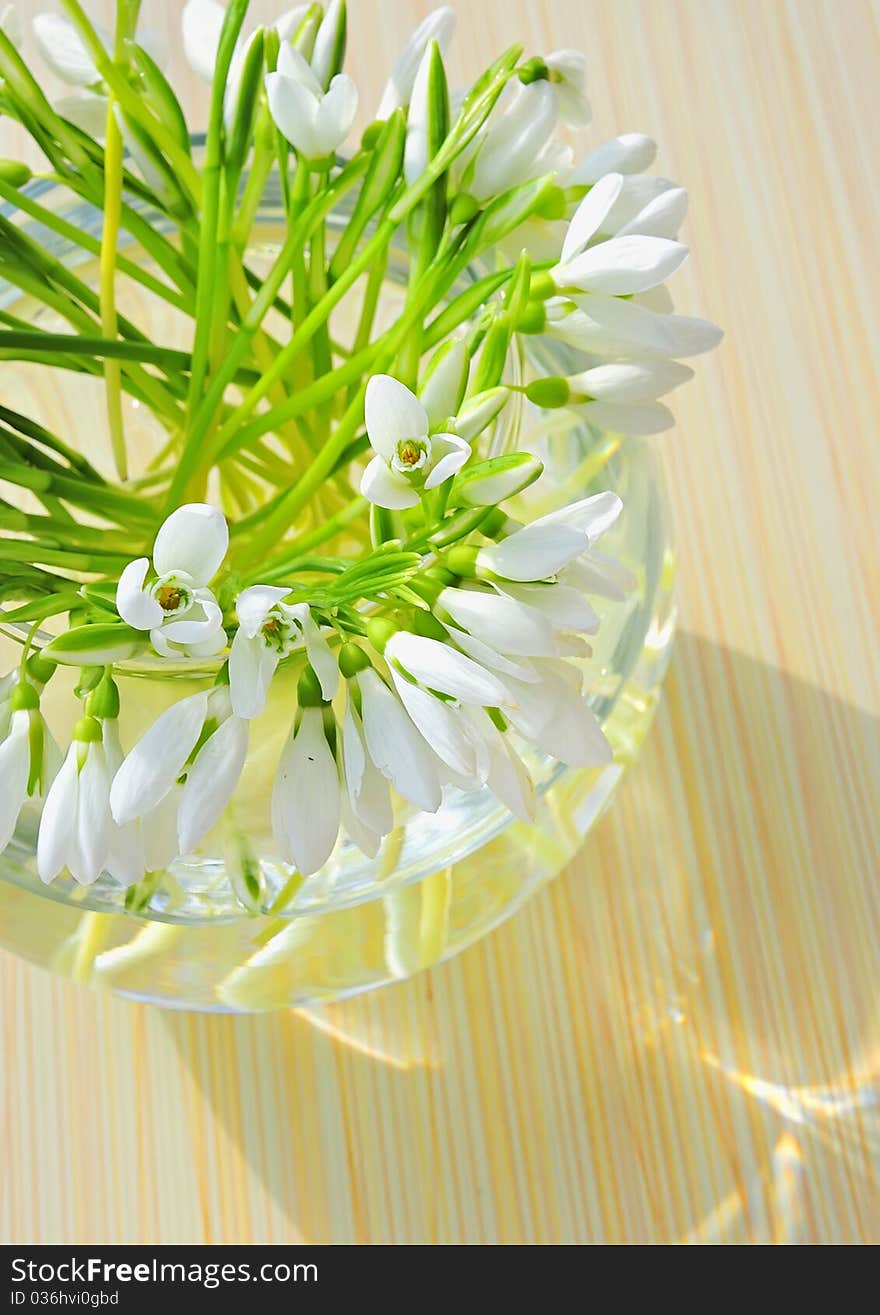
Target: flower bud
x,y
549,393
352,659
462,560
24,698
478,413
445,381
428,121
103,701
87,730
490,482
379,631
14,173
328,53
308,689
243,92
39,669
95,645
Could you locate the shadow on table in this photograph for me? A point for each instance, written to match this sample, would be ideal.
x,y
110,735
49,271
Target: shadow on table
x,y
677,1040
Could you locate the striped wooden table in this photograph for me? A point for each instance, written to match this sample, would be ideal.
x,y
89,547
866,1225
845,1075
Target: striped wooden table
x,y
680,1039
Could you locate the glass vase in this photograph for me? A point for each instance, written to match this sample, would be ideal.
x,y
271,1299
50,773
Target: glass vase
x,y
232,927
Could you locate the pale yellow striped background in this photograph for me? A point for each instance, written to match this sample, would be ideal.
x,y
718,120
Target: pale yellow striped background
x,y
680,1039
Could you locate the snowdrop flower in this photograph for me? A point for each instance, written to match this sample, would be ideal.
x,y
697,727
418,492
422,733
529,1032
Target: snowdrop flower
x,y
315,122
269,629
620,397
568,78
177,608
516,145
76,823
541,549
66,53
28,756
506,774
630,153
396,746
553,715
367,815
621,265
438,26
201,25
305,796
607,326
407,459
198,738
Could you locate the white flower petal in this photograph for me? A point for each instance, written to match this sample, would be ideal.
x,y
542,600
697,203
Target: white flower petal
x,y
439,726
593,516
159,828
210,782
58,819
307,790
588,218
251,668
64,50
501,621
336,114
630,153
631,381
93,821
535,552
662,217
438,26
202,22
554,716
622,265
295,111
386,487
158,759
514,141
15,760
607,326
368,790
198,624
439,666
136,607
254,604
396,747
294,66
453,453
487,656
629,418
193,539
570,66
444,388
506,776
392,414
564,607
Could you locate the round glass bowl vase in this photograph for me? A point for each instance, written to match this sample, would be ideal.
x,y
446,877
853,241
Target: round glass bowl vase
x,y
200,936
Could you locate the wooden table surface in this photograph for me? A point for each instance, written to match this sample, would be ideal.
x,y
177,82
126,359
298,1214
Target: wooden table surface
x,y
680,1038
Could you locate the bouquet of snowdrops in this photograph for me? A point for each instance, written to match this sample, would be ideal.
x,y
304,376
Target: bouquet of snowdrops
x,y
323,500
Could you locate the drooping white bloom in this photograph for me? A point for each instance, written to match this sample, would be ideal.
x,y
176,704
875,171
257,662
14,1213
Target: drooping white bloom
x,y
630,153
621,265
305,796
440,667
621,397
76,824
177,608
438,26
28,757
443,726
568,78
315,122
367,814
511,627
506,774
67,55
541,549
553,714
201,25
396,746
269,629
517,143
407,458
198,738
607,326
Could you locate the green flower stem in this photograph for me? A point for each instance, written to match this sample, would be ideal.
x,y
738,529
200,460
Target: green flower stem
x,y
167,357
240,345
258,175
109,240
33,432
95,562
20,199
212,275
132,104
112,504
